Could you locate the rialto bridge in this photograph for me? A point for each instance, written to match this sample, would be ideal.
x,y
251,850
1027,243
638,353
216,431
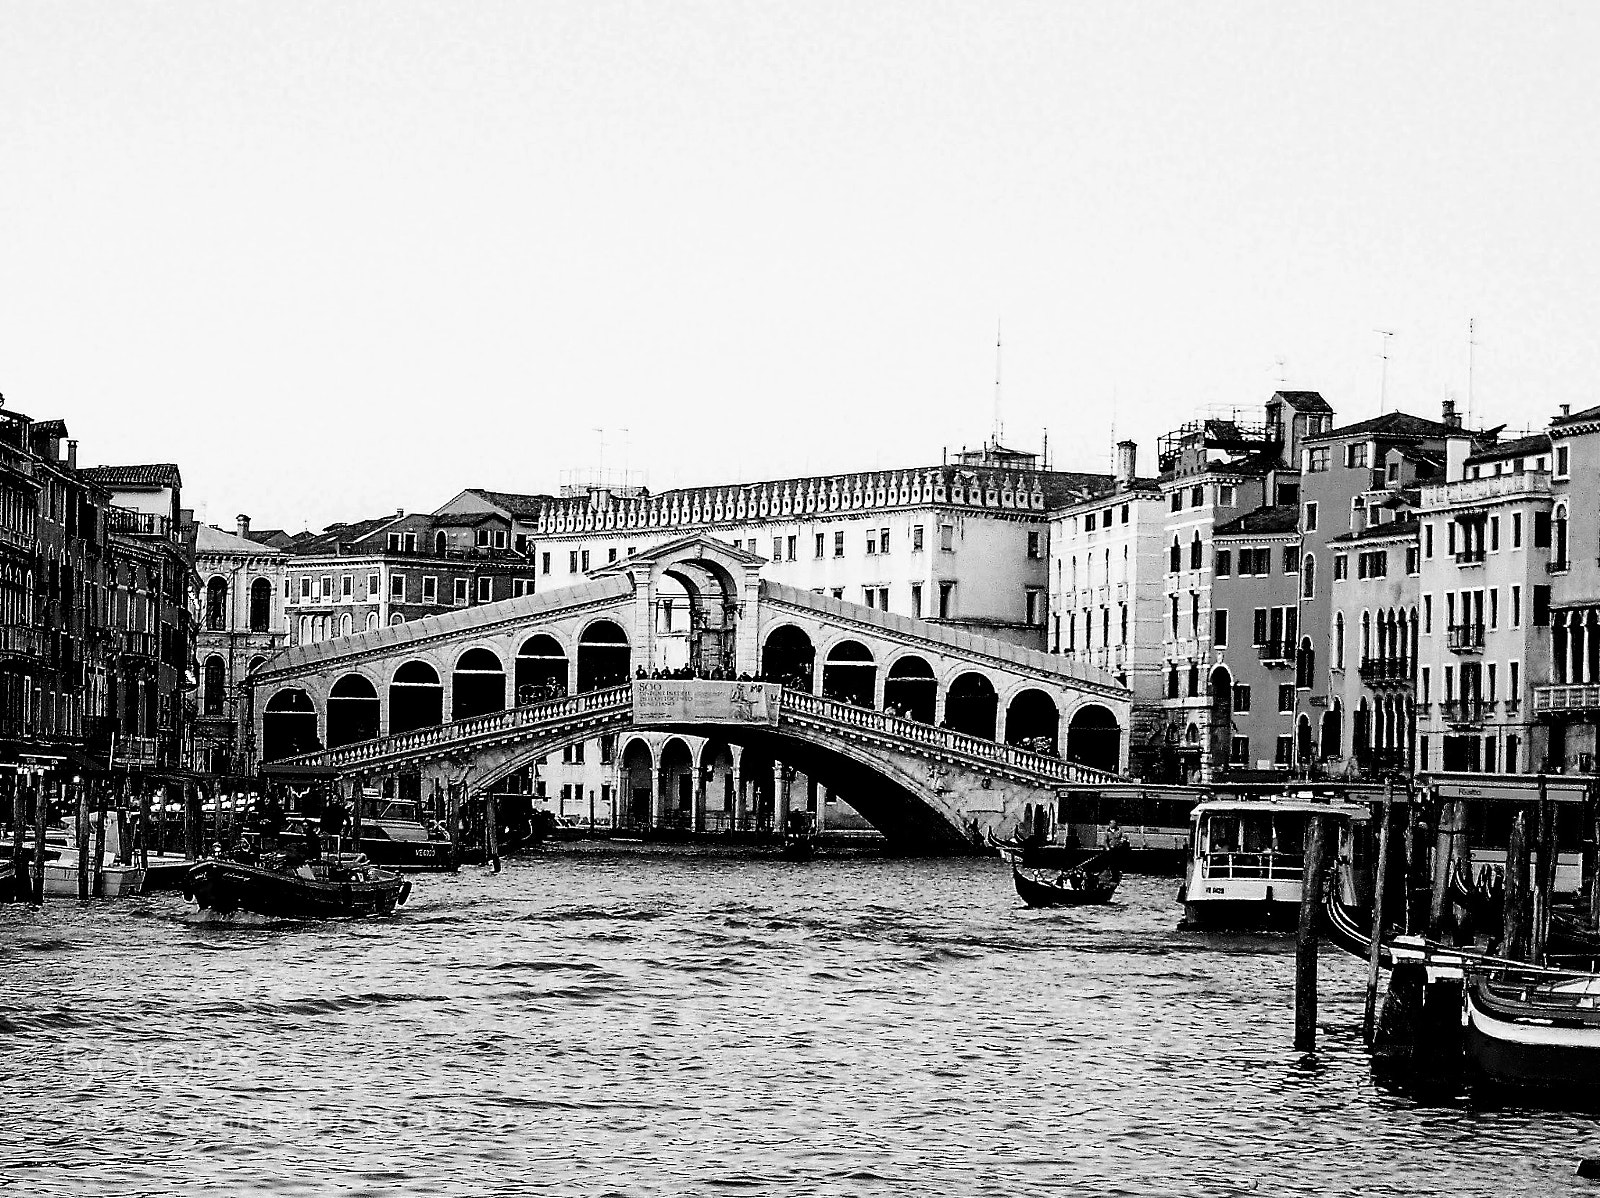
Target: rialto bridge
x,y
933,734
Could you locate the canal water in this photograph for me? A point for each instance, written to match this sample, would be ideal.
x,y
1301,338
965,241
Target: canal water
x,y
653,1022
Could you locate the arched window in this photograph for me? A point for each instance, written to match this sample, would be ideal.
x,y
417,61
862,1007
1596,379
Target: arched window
x,y
216,605
1338,641
214,687
1559,538
439,543
1175,555
1308,577
1366,636
260,606
1195,553
372,621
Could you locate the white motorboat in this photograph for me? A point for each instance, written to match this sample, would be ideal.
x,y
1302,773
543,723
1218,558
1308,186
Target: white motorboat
x,y
116,880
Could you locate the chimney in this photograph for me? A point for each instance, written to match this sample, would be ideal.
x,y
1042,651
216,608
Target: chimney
x,y
399,511
72,455
244,526
1127,459
1566,409
1450,417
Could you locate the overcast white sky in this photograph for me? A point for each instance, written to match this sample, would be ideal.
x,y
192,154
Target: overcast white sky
x,y
338,259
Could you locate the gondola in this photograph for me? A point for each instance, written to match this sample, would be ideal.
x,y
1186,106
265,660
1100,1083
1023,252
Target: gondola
x,y
1534,1030
1037,854
337,886
1092,882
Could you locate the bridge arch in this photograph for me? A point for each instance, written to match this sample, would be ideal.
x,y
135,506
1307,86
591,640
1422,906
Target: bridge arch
x,y
416,697
850,673
971,704
676,768
788,654
541,670
354,710
477,684
636,772
911,687
603,655
1033,720
289,725
1094,738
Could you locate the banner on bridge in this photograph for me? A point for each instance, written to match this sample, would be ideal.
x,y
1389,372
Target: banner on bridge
x,y
698,701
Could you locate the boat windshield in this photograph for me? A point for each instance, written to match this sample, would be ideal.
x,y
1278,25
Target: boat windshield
x,y
1253,844
398,811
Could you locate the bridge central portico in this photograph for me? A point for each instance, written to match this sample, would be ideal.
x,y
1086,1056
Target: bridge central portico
x,y
933,734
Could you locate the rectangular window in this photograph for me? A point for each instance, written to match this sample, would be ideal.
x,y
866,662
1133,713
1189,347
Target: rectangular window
x,y
1355,456
1494,607
947,598
499,538
1177,501
1341,567
792,542
1284,753
1311,517
1541,606
585,560
916,600
838,544
1427,613
777,549
1241,696
347,587
411,542
1541,530
1291,559
872,543
397,588
1494,534
1427,540
883,540
430,588
1258,626
611,554
1516,607
1561,461
326,586
374,586
521,542
1225,495
1493,693
1124,516
1197,496
947,538
1239,750
485,589
544,563
1224,563
916,538
1413,564
1514,682
572,562
871,594
1219,627
1516,530
1033,606
1317,460
483,538
821,542
305,589
1425,681
520,587
460,594
395,542
1033,544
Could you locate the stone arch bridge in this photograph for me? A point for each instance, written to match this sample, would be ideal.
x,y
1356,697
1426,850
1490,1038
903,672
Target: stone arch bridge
x,y
935,735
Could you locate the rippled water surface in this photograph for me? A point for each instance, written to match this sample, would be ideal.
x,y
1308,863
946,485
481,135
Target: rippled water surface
x,y
652,1022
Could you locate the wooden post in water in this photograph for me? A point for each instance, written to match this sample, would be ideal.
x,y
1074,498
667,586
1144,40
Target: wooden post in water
x,y
83,841
41,799
19,832
1592,823
1369,1016
99,881
491,813
1544,874
1512,943
1444,845
1305,955
144,827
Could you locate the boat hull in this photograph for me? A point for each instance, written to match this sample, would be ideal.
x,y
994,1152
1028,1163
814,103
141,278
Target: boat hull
x,y
117,881
1242,915
437,855
1543,1054
226,886
1098,889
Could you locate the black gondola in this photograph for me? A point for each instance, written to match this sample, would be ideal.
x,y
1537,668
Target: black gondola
x,y
345,886
1093,881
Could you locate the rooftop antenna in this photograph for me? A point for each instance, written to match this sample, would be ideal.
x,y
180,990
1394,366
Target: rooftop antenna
x,y
999,425
1282,364
1383,373
1472,343
1113,428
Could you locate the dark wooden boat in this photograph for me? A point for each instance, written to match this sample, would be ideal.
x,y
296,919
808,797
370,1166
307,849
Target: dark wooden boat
x,y
1537,1031
346,886
1094,881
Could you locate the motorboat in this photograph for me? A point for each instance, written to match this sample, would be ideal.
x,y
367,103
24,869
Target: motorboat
x,y
395,837
1246,858
333,886
115,880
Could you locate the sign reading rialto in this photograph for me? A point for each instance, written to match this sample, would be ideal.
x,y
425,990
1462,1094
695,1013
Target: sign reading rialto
x,y
696,701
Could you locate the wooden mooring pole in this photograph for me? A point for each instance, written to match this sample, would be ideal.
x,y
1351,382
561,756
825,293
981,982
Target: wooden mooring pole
x,y
491,831
19,834
1544,874
41,800
1305,956
100,846
83,841
1369,1015
1512,941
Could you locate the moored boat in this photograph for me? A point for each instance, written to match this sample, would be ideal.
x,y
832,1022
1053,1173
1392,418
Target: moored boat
x,y
337,886
1534,1031
1246,860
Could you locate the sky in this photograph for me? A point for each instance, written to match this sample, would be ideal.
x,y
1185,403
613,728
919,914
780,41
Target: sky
x,y
338,260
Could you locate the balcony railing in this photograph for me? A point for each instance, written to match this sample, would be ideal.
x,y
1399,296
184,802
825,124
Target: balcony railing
x,y
1470,557
139,644
19,640
1379,670
129,523
1277,654
1558,567
1465,638
1463,714
1584,697
1485,490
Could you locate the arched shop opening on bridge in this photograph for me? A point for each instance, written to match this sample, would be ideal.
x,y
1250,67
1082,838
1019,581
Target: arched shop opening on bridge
x,y
541,670
970,705
1033,721
603,656
789,657
635,772
353,711
416,698
1094,738
478,685
716,777
850,675
289,725
911,688
677,784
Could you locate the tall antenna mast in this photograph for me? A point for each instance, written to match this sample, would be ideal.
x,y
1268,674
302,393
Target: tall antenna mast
x,y
1472,343
999,425
1383,374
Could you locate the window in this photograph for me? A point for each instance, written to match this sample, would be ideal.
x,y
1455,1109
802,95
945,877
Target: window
x,y
1494,607
1516,530
1427,540
1561,461
1425,682
1338,641
1239,750
1341,567
1541,606
397,588
1373,564
1219,627
395,542
947,597
1413,564
1033,543
1033,606
1258,626
791,543
584,557
1175,556
499,538
777,549
1225,495
883,540
460,594
544,563
1514,682
1291,559
485,589
482,540
1493,693
1285,698
1224,563
750,546
822,541
916,539
1241,696
871,599
872,542
1194,680
1310,521
520,587
916,600
1196,552
1317,460
1172,681
1177,506
947,538
374,586
572,562
1541,530
325,586
611,554
347,587
1355,456
411,542
1427,613
1123,519
1494,534
430,588
838,544
521,542
1308,578
1197,497
1516,607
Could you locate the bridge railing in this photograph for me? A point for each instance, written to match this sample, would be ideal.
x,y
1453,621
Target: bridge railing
x,y
945,740
474,729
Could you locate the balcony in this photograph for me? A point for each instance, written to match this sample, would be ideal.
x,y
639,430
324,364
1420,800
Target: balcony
x,y
1470,557
1558,567
1277,654
1583,697
21,641
1465,638
1473,491
1460,714
129,523
140,644
1386,671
